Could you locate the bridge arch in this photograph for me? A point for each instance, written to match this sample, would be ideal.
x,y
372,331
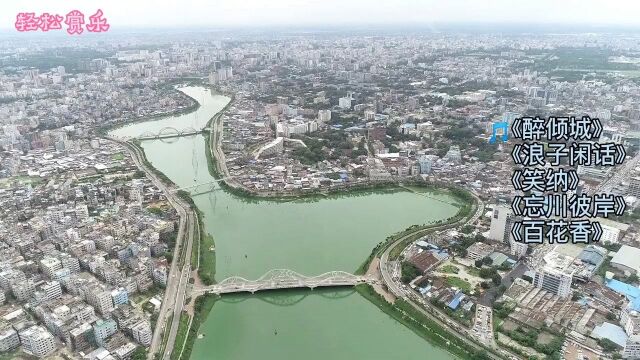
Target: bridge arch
x,y
283,279
168,131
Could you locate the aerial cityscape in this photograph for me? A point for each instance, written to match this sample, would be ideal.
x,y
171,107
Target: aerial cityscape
x,y
308,181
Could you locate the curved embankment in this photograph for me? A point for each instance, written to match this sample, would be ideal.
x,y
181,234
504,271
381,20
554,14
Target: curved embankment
x,y
204,304
431,330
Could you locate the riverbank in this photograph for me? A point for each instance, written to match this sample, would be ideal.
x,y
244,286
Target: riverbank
x,y
418,323
195,105
202,308
353,191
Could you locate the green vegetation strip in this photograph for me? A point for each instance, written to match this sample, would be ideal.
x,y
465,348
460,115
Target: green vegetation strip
x,y
422,325
207,268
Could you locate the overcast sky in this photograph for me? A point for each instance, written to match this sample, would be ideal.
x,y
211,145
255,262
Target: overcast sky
x,y
224,13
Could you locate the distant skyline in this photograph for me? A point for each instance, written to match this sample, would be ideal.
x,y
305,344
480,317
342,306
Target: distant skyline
x,y
300,13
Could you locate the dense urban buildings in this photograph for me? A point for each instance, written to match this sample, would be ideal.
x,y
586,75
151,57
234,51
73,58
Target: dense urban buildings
x,y
88,237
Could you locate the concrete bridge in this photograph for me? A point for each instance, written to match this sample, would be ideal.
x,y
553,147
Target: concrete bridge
x,y
283,279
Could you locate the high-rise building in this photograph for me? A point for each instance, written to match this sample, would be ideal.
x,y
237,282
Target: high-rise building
x,y
554,281
324,116
501,220
518,249
634,187
425,163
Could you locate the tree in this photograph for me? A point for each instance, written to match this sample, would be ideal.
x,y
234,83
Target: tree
x,y
467,229
478,263
487,273
139,354
607,345
633,278
481,355
496,279
487,260
409,272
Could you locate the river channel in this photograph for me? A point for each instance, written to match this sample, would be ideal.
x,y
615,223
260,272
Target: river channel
x,y
308,236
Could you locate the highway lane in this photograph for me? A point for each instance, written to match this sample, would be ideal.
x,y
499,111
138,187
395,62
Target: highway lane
x,y
174,293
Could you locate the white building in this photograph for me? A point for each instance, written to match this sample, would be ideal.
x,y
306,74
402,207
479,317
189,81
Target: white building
x,y
38,341
142,332
100,299
630,322
553,281
500,229
627,259
518,249
425,163
344,103
556,273
52,290
8,338
324,116
50,265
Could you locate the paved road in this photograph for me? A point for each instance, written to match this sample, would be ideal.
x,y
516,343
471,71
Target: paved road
x,y
174,295
401,291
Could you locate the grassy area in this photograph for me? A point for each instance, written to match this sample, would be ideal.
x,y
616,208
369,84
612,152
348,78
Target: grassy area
x,y
454,281
420,324
181,336
117,157
449,269
207,268
473,271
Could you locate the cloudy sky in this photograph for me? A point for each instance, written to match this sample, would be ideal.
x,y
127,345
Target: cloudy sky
x,y
225,13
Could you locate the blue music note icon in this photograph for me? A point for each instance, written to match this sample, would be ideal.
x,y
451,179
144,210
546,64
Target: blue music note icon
x,y
497,126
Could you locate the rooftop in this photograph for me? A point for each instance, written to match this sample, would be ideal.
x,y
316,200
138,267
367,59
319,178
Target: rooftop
x,y
628,256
